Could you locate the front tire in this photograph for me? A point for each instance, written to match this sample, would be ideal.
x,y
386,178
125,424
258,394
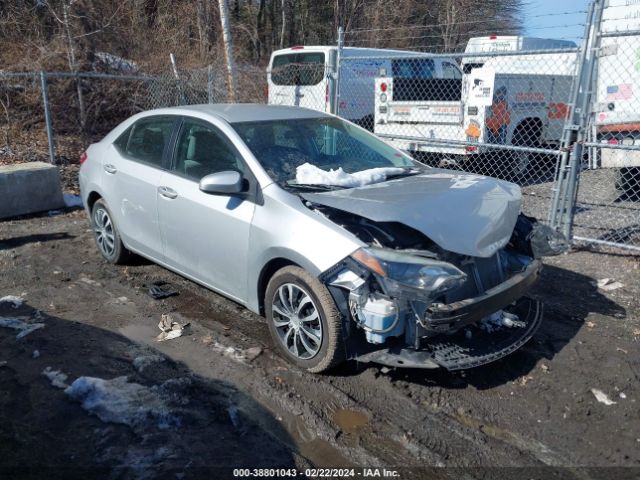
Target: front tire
x,y
303,320
106,234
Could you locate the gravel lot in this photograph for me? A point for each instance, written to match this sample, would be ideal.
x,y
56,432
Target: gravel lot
x,y
533,409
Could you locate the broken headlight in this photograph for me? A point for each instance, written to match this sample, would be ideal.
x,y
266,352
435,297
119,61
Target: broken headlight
x,y
400,271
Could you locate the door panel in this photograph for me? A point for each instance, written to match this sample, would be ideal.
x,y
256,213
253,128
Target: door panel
x,y
205,236
131,179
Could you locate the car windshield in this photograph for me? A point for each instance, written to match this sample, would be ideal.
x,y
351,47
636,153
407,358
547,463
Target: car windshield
x,y
322,151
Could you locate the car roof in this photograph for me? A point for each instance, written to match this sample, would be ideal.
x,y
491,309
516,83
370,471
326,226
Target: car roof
x,y
243,112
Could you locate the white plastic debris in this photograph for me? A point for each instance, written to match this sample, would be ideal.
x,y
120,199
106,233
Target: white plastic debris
x,y
13,300
35,354
607,284
71,200
143,361
19,324
312,175
500,319
602,397
623,395
170,328
118,401
56,377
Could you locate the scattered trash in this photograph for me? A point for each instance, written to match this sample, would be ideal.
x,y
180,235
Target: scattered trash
x,y
252,353
590,324
19,324
71,200
607,284
170,328
621,350
207,340
159,290
56,377
500,319
623,395
544,367
143,361
602,397
118,401
385,370
230,352
13,300
524,380
35,354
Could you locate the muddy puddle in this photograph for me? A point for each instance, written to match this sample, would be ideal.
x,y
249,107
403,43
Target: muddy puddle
x,y
350,421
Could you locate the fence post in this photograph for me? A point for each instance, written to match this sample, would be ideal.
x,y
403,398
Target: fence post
x,y
47,116
566,189
336,85
210,84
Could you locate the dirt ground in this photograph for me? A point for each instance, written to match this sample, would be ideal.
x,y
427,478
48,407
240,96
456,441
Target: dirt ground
x,y
530,415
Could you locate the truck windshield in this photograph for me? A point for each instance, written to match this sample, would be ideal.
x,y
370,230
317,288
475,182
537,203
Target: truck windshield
x,y
298,69
281,146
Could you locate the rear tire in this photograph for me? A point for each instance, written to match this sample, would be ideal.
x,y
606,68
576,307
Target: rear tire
x,y
303,320
106,234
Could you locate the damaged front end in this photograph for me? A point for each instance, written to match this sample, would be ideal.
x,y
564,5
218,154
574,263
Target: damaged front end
x,y
412,303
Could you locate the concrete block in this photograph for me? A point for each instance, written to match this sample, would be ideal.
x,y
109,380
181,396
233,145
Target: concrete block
x,y
29,188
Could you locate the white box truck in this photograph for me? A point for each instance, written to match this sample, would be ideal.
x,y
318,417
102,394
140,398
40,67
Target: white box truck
x,y
512,100
617,105
305,76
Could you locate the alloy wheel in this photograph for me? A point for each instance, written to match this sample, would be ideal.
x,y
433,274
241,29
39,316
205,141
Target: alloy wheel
x,y
103,228
297,321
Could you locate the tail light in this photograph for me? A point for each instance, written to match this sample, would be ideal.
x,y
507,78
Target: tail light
x,y
383,87
83,157
613,141
470,148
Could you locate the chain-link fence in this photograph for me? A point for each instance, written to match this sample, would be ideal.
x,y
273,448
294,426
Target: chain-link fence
x,y
496,113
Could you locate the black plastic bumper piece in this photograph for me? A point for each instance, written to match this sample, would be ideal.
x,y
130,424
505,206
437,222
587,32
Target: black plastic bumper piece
x,y
469,347
450,317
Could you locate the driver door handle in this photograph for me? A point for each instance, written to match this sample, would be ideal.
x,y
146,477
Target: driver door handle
x,y
167,192
110,168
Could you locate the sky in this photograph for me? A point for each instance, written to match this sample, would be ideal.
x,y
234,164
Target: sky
x,y
544,18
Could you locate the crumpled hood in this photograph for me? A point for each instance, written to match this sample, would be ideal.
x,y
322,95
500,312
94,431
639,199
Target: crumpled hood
x,y
463,213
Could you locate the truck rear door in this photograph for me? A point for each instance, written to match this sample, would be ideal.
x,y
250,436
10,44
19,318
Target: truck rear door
x,y
299,79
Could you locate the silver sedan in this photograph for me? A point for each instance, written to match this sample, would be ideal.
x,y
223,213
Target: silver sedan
x,y
346,245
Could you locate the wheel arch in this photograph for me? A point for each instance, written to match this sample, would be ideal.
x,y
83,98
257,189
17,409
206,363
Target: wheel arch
x,y
92,198
267,272
528,124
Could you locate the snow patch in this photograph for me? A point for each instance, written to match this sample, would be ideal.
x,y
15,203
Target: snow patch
x,y
118,401
56,377
143,361
13,300
72,200
312,175
23,327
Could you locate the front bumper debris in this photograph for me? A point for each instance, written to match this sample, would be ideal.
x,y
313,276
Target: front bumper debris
x,y
453,316
469,347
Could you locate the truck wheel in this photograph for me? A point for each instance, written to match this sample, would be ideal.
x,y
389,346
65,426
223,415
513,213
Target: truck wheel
x,y
628,183
526,134
303,320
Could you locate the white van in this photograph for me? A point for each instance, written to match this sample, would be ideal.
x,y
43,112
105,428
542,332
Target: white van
x,y
306,77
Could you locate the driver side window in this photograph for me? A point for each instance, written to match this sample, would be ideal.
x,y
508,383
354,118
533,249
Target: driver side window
x,y
202,150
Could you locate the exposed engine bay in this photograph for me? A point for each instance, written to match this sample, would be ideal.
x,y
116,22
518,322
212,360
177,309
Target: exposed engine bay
x,y
421,305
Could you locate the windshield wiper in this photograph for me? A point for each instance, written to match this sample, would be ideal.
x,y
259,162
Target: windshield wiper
x,y
407,173
313,186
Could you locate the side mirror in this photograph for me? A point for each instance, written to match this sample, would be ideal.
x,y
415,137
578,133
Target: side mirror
x,y
222,183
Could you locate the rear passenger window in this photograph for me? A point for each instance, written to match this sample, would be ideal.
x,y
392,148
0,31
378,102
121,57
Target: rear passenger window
x,y
146,140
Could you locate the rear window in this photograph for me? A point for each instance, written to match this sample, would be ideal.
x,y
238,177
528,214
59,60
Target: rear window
x,y
298,69
413,68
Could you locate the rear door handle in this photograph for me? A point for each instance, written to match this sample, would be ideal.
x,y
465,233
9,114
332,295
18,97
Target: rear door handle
x,y
167,192
110,168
